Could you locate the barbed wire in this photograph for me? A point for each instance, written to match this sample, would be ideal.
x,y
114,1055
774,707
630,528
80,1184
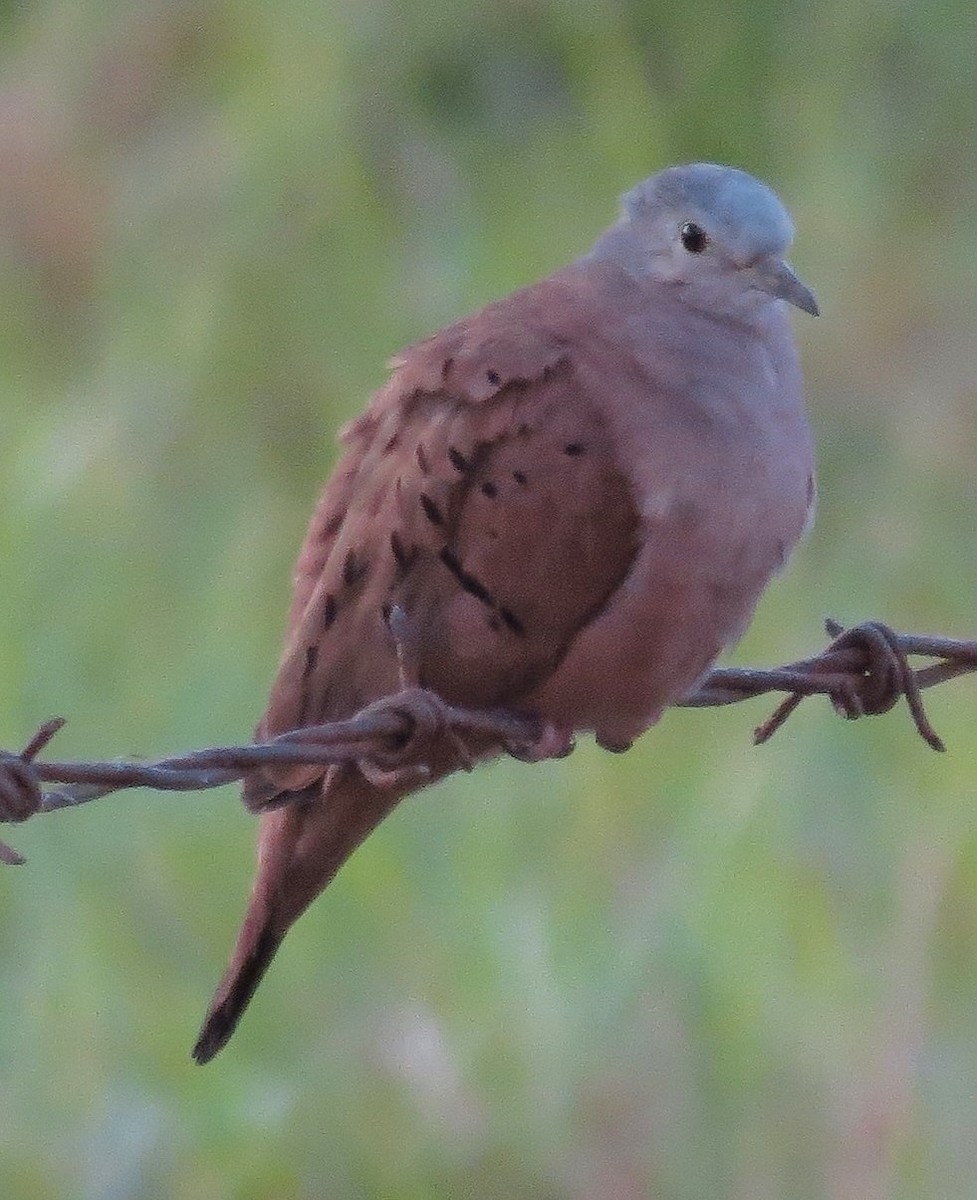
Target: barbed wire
x,y
864,671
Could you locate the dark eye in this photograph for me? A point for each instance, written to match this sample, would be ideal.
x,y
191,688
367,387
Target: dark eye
x,y
694,237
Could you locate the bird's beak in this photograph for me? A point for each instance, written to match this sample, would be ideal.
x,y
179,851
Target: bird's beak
x,y
772,275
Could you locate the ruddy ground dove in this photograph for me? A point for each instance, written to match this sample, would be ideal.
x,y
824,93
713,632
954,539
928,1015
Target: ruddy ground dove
x,y
571,499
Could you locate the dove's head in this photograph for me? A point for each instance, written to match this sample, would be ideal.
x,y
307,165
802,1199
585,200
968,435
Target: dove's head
x,y
715,232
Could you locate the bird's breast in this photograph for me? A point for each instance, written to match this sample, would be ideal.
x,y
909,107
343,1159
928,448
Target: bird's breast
x,y
721,470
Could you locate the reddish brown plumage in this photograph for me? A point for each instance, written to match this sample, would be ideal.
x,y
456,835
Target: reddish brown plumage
x,y
568,524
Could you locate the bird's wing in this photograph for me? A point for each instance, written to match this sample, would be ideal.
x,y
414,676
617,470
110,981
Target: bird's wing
x,y
480,494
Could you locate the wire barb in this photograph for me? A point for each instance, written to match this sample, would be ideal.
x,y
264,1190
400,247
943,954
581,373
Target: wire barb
x,y
865,671
869,688
20,789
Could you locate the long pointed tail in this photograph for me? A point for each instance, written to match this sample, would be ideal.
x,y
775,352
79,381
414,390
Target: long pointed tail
x,y
256,946
300,848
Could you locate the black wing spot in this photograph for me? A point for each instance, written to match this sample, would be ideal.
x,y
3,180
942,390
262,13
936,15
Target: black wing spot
x,y
403,556
468,582
354,568
493,377
489,489
525,430
431,510
392,443
520,478
331,527
422,460
512,621
457,460
329,610
574,449
311,657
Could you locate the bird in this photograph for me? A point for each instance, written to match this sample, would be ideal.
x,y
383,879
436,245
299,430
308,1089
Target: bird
x,y
571,499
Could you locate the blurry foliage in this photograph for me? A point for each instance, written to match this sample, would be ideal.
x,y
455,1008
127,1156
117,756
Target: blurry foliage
x,y
703,970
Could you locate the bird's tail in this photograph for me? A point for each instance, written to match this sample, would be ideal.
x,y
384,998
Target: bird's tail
x,y
256,946
301,846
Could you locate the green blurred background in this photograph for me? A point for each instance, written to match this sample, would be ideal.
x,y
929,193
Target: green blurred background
x,y
700,971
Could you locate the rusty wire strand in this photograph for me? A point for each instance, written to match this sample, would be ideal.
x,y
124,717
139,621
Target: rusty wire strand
x,y
865,671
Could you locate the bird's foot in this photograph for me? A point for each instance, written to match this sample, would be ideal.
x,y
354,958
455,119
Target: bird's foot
x,y
428,728
554,741
409,776
614,747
